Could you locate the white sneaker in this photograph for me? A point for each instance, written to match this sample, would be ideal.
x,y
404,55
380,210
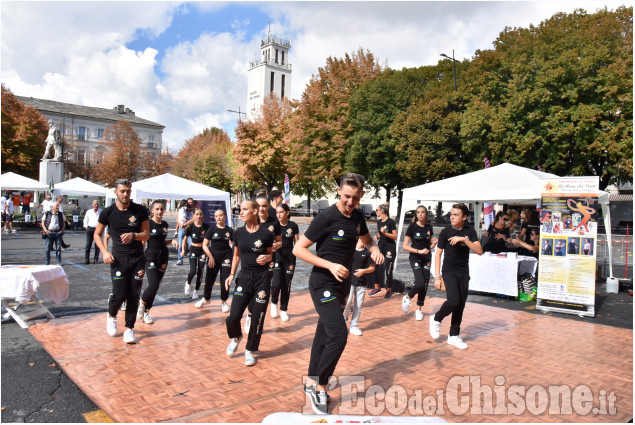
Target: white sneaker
x,y
128,337
435,327
405,304
418,315
187,290
284,316
147,318
111,325
195,294
123,306
140,310
224,307
200,303
250,360
14,231
356,331
247,324
457,341
233,344
274,310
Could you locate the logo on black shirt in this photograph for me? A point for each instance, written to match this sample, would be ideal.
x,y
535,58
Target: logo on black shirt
x,y
132,221
258,243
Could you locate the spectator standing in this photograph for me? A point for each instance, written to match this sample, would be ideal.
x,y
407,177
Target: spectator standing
x,y
90,224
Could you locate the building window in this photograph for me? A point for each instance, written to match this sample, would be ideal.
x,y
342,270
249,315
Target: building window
x,y
150,145
80,156
276,55
100,133
271,84
282,87
81,135
282,58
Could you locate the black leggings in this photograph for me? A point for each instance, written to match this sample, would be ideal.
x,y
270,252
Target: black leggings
x,y
127,276
384,271
197,264
456,287
282,277
155,270
222,263
252,286
421,271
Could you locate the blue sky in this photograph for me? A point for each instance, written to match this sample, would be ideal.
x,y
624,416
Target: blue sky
x,y
185,64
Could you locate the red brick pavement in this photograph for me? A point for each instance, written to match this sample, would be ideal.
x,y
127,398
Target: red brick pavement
x,y
178,370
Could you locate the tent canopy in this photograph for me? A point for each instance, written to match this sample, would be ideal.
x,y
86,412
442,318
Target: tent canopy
x,y
13,181
79,187
169,186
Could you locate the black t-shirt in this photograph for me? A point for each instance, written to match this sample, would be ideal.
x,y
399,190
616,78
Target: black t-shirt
x,y
273,225
419,238
120,222
253,245
573,248
219,238
271,212
361,260
496,245
456,257
288,233
385,243
197,233
529,228
156,242
336,235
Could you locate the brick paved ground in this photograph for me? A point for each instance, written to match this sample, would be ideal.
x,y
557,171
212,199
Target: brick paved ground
x,y
178,371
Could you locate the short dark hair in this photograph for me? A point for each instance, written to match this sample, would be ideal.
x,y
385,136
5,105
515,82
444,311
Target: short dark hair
x,y
123,182
262,196
274,194
462,207
353,180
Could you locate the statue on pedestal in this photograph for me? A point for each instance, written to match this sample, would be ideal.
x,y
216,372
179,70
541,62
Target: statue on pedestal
x,y
53,141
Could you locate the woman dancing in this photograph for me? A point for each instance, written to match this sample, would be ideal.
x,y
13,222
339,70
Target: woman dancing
x,y
253,247
156,259
284,263
196,232
386,236
218,248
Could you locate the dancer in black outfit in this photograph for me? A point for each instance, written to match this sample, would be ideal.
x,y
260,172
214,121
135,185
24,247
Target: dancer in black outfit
x,y
386,236
253,247
335,230
196,232
419,243
218,248
128,226
284,263
456,240
156,259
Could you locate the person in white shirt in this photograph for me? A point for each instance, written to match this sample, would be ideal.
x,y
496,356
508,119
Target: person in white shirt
x,y
8,216
53,225
184,219
3,204
90,223
46,203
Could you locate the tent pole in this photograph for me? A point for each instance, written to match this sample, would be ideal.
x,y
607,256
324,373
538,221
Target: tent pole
x,y
606,212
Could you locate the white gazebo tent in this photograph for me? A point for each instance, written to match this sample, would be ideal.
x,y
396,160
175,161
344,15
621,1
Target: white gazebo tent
x,y
13,181
168,186
505,183
79,187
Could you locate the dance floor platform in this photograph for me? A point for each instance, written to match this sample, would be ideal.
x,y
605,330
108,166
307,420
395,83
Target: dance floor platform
x,y
178,370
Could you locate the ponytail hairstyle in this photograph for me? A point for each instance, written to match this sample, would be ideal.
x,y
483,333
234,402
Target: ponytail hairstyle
x,y
420,207
158,201
286,209
384,208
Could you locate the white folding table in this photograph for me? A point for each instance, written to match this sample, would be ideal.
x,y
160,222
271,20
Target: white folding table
x,y
23,283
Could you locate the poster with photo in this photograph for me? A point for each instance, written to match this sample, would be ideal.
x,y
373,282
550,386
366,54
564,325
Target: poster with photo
x,y
567,262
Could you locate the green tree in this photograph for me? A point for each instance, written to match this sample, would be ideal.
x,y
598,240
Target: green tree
x,y
24,132
559,95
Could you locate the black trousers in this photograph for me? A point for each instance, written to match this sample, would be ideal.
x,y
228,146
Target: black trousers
x,y
222,264
251,286
331,332
456,287
197,265
421,271
155,270
282,276
384,271
127,276
90,242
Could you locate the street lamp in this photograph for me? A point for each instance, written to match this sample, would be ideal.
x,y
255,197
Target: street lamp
x,y
454,61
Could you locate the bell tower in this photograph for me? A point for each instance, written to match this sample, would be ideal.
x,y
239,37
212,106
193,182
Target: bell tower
x,y
270,74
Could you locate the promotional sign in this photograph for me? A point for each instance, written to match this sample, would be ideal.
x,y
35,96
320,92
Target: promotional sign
x,y
209,208
568,235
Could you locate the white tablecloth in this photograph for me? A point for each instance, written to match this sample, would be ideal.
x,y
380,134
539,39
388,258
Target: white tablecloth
x,y
497,275
22,282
